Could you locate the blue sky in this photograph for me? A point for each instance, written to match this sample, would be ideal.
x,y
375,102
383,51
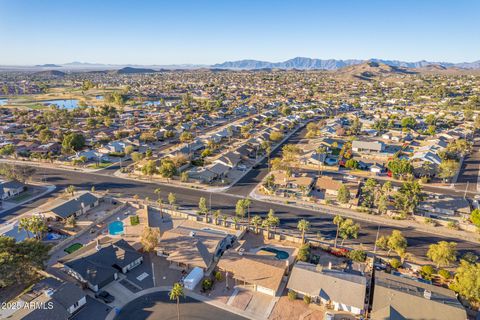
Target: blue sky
x,y
206,32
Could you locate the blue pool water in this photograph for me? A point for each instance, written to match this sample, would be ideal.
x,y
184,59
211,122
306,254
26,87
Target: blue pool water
x,y
115,228
3,101
279,254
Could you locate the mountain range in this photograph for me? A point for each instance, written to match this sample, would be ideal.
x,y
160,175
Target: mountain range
x,y
334,64
300,63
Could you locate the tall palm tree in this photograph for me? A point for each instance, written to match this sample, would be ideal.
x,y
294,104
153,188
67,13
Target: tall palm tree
x,y
338,220
175,294
303,226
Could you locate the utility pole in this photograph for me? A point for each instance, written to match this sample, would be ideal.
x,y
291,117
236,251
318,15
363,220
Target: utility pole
x,y
466,188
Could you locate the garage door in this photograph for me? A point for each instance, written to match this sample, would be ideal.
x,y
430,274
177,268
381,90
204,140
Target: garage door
x,y
268,291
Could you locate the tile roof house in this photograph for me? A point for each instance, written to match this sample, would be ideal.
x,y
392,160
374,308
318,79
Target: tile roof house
x,y
187,246
367,146
395,297
62,300
230,159
78,205
11,188
265,273
96,265
345,291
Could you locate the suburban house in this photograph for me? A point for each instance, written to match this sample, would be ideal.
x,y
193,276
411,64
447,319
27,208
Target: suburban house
x,y
230,159
261,273
297,185
98,264
396,297
64,298
188,246
330,186
367,146
444,206
10,189
344,291
78,205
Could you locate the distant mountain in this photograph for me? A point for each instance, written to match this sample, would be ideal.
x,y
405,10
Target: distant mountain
x,y
48,65
333,64
50,73
130,70
372,70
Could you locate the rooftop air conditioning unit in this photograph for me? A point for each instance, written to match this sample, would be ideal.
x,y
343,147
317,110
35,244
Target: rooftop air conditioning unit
x,y
427,294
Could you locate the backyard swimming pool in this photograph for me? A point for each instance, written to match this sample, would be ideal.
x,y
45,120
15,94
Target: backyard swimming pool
x,y
115,228
279,254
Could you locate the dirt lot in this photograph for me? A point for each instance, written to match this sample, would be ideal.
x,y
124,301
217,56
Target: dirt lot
x,y
286,310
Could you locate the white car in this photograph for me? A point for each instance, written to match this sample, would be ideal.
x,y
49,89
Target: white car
x,y
329,316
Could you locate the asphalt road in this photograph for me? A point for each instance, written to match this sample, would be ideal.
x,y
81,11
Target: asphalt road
x,y
468,177
188,198
159,306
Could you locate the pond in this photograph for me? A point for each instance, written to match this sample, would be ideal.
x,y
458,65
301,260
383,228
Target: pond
x,y
62,103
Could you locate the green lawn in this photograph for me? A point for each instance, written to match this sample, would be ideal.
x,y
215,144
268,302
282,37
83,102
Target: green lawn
x,y
100,165
74,247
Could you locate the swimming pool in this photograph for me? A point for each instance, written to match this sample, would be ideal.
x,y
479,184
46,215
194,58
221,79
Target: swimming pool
x,y
279,254
115,228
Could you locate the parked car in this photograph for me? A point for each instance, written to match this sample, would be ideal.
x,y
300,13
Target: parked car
x,y
329,316
105,296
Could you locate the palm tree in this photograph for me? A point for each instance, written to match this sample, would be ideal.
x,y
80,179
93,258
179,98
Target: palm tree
x,y
175,293
70,189
256,221
235,222
320,150
338,220
303,226
216,215
224,218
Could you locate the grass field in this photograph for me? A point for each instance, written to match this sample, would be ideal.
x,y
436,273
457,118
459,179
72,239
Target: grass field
x,y
74,247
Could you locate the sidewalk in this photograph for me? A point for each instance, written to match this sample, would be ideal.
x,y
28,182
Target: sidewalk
x,y
330,210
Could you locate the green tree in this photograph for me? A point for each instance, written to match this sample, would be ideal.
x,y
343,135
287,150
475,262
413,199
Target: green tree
x,y
475,217
73,141
150,238
397,242
304,253
448,169
466,281
167,169
175,294
303,226
202,205
443,253
70,190
150,168
348,230
337,220
343,195
172,199
257,221
352,164
241,207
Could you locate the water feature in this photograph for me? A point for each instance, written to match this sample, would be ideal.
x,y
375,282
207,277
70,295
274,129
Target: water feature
x,y
279,254
62,103
115,228
3,101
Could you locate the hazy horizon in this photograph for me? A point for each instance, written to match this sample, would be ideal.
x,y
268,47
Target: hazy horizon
x,y
205,33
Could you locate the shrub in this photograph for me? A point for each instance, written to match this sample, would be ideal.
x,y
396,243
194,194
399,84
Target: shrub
x,y
453,225
134,220
357,255
207,284
292,295
445,274
218,276
307,299
427,271
395,263
304,253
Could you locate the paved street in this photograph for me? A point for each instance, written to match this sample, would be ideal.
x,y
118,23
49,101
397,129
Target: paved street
x,y
468,177
159,306
188,198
